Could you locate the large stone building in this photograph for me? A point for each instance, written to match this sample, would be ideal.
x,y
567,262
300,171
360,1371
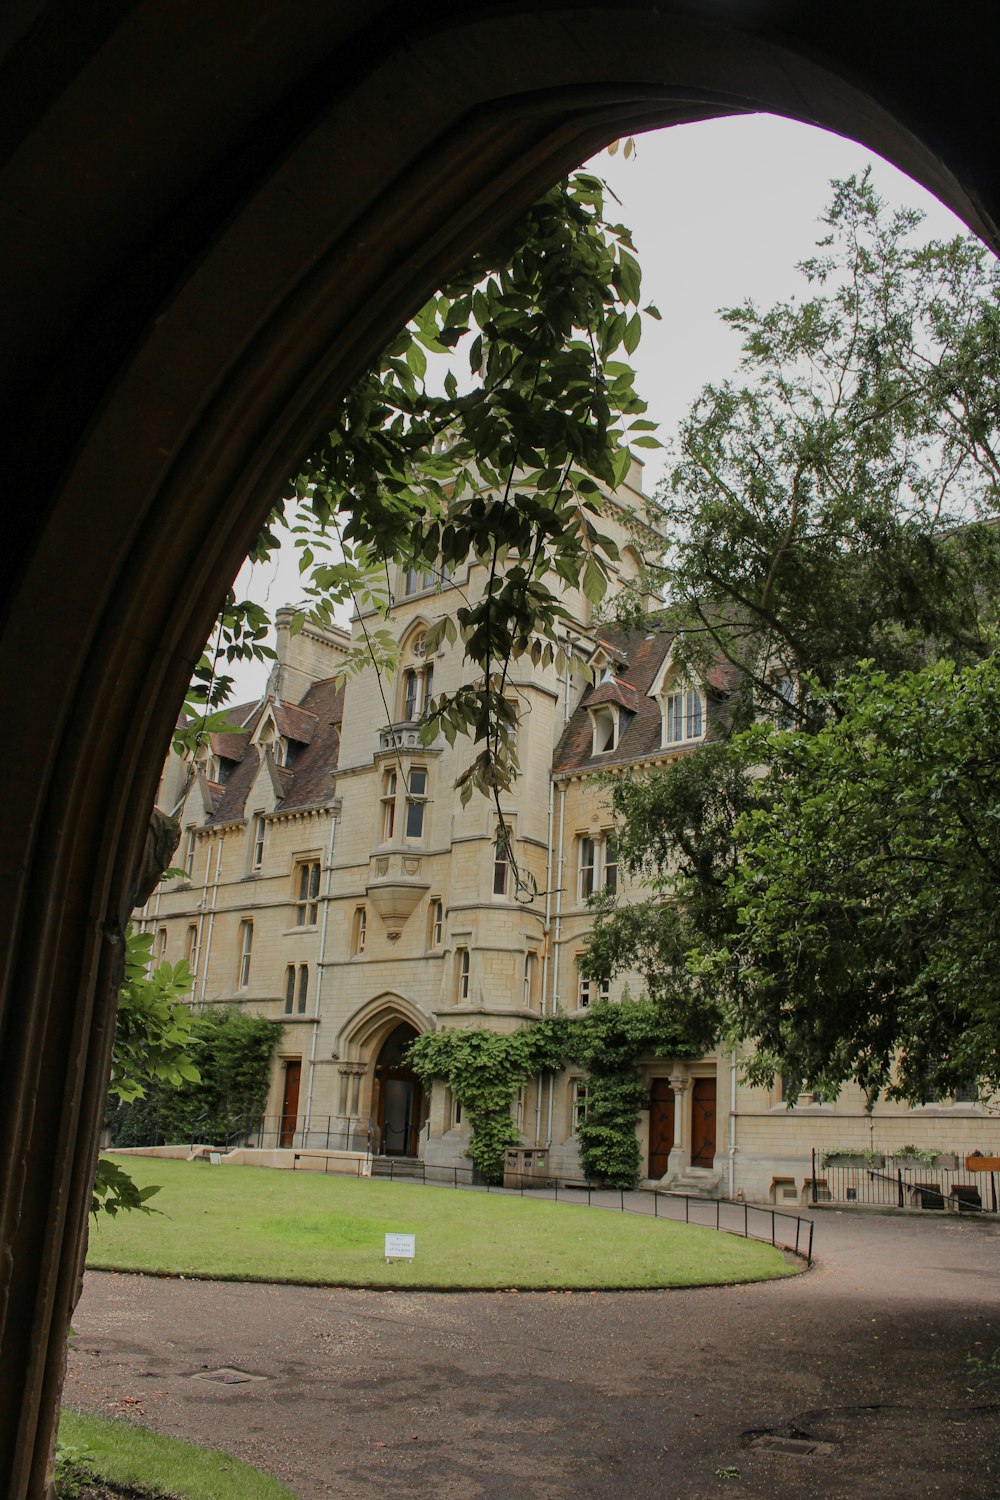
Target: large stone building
x,y
336,885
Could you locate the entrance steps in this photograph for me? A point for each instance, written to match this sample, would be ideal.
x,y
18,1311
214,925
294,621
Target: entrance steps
x,y
696,1182
399,1168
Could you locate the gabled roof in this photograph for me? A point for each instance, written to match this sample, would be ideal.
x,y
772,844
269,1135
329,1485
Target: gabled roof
x,y
307,781
295,723
614,690
647,653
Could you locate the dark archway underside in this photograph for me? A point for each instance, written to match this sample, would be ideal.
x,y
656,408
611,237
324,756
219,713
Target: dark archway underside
x,y
211,217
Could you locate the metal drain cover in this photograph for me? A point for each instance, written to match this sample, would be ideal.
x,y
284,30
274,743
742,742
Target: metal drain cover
x,y
800,1447
228,1376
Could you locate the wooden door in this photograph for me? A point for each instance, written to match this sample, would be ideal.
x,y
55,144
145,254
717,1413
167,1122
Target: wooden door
x,y
661,1126
703,1122
290,1103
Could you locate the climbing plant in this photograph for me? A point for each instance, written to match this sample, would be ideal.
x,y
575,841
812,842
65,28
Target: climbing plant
x,y
224,1086
484,1070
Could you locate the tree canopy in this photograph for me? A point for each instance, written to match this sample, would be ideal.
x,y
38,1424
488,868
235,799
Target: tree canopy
x,y
509,467
833,514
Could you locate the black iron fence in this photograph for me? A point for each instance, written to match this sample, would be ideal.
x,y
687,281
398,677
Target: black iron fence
x,y
948,1183
753,1221
273,1132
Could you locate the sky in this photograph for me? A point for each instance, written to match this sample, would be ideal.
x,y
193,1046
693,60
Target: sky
x,y
721,212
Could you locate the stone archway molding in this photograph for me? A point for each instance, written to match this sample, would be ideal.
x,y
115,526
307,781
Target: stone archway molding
x,y
361,1037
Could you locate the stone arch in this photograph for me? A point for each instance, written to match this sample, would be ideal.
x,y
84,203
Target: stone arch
x,y
383,1088
189,297
364,1033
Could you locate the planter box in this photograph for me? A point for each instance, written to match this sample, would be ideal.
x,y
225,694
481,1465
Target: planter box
x,y
982,1163
855,1159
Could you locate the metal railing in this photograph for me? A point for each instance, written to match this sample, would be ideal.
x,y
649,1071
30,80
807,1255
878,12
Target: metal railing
x,y
753,1221
274,1132
888,1183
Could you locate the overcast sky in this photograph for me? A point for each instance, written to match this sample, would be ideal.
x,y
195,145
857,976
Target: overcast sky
x,y
721,212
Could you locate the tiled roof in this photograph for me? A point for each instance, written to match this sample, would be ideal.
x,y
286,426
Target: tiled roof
x,y
314,766
295,723
641,734
307,781
614,691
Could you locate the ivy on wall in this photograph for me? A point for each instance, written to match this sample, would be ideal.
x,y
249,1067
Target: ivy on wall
x,y
484,1070
232,1051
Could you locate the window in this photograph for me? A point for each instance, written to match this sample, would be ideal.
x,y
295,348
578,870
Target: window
x,y
189,846
299,989
586,988
415,580
456,1113
588,867
788,693
579,1092
418,689
610,862
416,801
435,924
598,863
160,945
306,892
530,980
191,952
246,945
464,969
257,853
360,936
684,717
501,864
605,722
389,784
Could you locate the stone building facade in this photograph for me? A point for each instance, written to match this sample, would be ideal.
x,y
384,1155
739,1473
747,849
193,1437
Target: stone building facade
x,y
335,884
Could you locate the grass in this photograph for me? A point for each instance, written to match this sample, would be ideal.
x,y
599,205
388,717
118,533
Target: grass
x,y
130,1455
255,1224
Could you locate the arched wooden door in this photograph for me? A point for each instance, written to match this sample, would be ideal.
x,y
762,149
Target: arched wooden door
x,y
661,1126
398,1096
703,1122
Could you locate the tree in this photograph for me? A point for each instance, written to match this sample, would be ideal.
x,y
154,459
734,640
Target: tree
x,y
825,508
508,469
829,511
868,943
151,1048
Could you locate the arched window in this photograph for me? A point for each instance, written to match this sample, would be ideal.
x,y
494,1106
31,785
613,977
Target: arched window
x,y
418,678
683,715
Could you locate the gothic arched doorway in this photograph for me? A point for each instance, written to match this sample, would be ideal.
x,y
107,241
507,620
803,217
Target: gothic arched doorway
x,y
397,1102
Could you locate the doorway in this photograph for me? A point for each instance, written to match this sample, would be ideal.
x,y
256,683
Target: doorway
x,y
703,1122
290,1102
661,1126
399,1106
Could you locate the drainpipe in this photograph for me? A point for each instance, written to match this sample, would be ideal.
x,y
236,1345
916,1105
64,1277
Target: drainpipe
x,y
546,939
334,812
732,1124
557,940
211,914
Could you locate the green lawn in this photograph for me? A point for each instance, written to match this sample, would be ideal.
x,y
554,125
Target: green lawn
x,y
251,1223
128,1454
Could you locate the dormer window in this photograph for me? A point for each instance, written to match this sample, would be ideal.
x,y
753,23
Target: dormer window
x,y
683,716
605,725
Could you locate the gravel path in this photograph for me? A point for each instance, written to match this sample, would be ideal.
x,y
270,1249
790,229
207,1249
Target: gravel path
x,y
584,1396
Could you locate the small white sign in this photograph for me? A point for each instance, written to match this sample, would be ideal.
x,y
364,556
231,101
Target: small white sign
x,y
215,1157
400,1247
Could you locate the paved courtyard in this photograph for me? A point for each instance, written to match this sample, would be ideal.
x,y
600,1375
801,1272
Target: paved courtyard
x,y
851,1380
